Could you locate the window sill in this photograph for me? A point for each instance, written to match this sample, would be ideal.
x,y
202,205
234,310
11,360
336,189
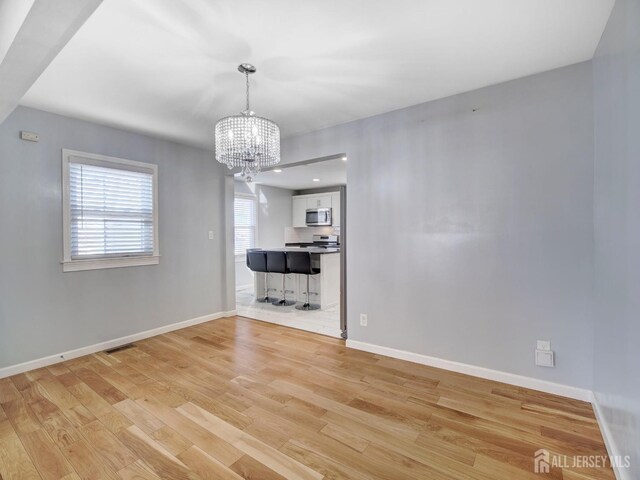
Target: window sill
x,y
100,263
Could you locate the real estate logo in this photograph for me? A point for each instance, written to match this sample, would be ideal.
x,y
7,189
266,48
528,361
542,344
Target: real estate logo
x,y
541,461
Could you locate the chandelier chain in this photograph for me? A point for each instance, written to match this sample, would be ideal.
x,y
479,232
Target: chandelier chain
x,y
246,76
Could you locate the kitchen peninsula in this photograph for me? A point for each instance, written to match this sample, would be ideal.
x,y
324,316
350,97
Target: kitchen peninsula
x,y
324,286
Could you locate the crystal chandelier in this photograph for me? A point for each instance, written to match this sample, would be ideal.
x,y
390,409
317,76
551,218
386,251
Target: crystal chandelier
x,y
246,140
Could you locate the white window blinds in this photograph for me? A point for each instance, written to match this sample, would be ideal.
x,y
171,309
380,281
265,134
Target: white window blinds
x,y
111,210
245,223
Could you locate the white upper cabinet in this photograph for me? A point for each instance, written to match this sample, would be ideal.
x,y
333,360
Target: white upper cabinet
x,y
335,208
319,201
299,211
322,200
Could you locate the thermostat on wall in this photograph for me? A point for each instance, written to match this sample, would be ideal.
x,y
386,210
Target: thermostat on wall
x,y
29,136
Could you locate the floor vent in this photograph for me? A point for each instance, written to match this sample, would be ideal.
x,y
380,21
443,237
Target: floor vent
x,y
120,348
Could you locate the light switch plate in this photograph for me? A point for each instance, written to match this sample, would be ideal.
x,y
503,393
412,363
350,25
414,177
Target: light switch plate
x,y
543,345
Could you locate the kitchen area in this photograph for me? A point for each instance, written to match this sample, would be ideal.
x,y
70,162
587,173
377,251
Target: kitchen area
x,y
289,268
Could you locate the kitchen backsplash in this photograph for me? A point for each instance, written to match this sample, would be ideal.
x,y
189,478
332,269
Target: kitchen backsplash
x,y
305,234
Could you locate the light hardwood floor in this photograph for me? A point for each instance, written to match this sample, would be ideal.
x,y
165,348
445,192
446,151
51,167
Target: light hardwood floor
x,y
236,398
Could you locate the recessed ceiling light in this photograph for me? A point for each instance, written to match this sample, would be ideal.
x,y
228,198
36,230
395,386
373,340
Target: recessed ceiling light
x,y
316,179
278,170
344,159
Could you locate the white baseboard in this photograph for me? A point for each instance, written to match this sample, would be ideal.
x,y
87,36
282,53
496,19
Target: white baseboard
x,y
612,449
98,347
497,375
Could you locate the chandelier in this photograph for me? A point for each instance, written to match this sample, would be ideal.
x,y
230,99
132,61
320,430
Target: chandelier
x,y
246,140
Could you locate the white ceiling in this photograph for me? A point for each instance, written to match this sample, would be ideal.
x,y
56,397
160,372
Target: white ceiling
x,y
168,67
12,16
329,173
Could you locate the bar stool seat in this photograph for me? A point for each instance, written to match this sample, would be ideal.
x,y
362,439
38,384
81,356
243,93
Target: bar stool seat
x,y
300,263
277,263
257,262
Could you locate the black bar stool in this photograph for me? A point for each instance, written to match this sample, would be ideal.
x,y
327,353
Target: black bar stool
x,y
277,263
300,263
257,262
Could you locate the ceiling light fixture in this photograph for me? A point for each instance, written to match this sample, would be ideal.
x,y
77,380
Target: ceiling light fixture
x,y
316,179
344,159
278,170
246,140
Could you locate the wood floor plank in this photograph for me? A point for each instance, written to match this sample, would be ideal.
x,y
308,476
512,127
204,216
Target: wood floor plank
x,y
109,448
79,416
8,391
22,417
60,429
251,446
86,461
137,471
139,416
251,469
345,436
161,461
171,440
98,384
207,467
325,465
15,463
235,398
209,442
47,458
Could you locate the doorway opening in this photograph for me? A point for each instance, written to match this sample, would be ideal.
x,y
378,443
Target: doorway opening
x,y
290,245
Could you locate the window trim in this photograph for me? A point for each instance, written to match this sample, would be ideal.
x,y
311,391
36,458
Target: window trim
x,y
73,265
242,257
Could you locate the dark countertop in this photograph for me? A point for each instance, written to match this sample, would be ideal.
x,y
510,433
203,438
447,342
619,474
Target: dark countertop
x,y
314,250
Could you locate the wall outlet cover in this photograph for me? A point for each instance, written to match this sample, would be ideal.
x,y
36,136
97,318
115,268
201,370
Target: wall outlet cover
x,y
544,358
363,320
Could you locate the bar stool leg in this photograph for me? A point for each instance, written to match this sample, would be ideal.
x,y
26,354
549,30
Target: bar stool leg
x,y
307,305
283,302
266,298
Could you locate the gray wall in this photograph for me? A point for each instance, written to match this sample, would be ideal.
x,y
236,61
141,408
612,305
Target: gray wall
x,y
471,233
274,215
616,69
44,311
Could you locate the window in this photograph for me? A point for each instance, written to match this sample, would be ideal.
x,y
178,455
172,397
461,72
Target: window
x,y
110,212
244,213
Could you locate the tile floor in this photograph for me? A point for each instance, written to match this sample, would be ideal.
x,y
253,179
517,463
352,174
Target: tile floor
x,y
326,322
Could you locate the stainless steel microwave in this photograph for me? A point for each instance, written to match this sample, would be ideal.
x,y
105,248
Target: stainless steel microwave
x,y
318,216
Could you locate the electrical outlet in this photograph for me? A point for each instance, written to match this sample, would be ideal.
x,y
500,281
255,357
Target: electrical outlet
x,y
543,345
363,320
545,358
544,355
210,234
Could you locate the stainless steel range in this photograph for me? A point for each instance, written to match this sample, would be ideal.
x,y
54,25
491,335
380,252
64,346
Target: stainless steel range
x,y
326,241
319,241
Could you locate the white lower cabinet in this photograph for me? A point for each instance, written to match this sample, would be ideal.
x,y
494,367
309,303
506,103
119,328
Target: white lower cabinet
x,y
325,285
